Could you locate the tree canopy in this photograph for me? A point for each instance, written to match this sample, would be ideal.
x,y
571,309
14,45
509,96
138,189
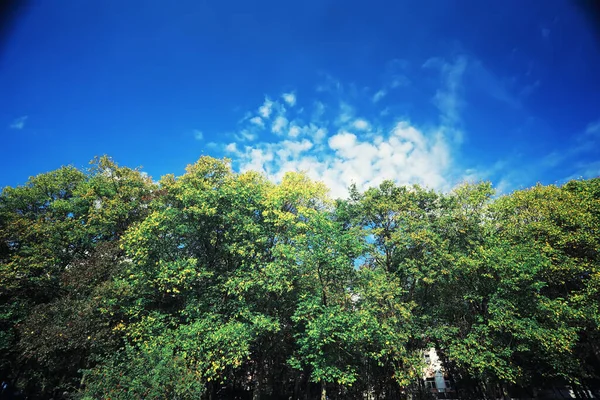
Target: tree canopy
x,y
217,284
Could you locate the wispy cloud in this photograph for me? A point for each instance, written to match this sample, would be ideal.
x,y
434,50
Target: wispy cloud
x,y
593,128
266,109
529,89
318,110
279,125
361,124
337,137
231,148
245,135
346,113
486,81
198,134
480,78
344,134
448,98
575,158
545,32
19,123
332,144
289,98
330,85
294,131
394,78
257,121
399,81
379,95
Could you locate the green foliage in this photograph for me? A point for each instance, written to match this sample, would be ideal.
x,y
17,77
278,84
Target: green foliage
x,y
144,373
215,284
58,254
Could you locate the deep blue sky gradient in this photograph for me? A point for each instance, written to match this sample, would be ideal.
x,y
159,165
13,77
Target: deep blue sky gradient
x,y
135,79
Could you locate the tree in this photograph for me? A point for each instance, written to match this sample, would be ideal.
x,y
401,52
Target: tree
x,y
58,223
217,284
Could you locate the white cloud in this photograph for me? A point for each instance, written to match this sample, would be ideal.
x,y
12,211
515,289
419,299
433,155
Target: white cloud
x,y
338,148
257,121
198,134
256,159
406,155
294,131
291,150
379,95
231,148
319,134
289,98
319,110
266,109
279,125
343,142
19,123
346,113
361,124
293,127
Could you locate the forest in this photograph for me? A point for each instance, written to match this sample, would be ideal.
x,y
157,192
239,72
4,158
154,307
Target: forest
x,y
224,285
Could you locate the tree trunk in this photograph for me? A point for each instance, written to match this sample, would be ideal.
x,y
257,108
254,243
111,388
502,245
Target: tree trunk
x,y
257,388
307,390
297,387
482,390
269,386
258,378
323,391
210,390
504,391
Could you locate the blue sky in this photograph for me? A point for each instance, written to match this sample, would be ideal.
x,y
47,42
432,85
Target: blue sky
x,y
430,92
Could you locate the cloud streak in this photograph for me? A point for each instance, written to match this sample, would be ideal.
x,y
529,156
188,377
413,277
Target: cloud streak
x,y
19,123
593,128
379,95
448,98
